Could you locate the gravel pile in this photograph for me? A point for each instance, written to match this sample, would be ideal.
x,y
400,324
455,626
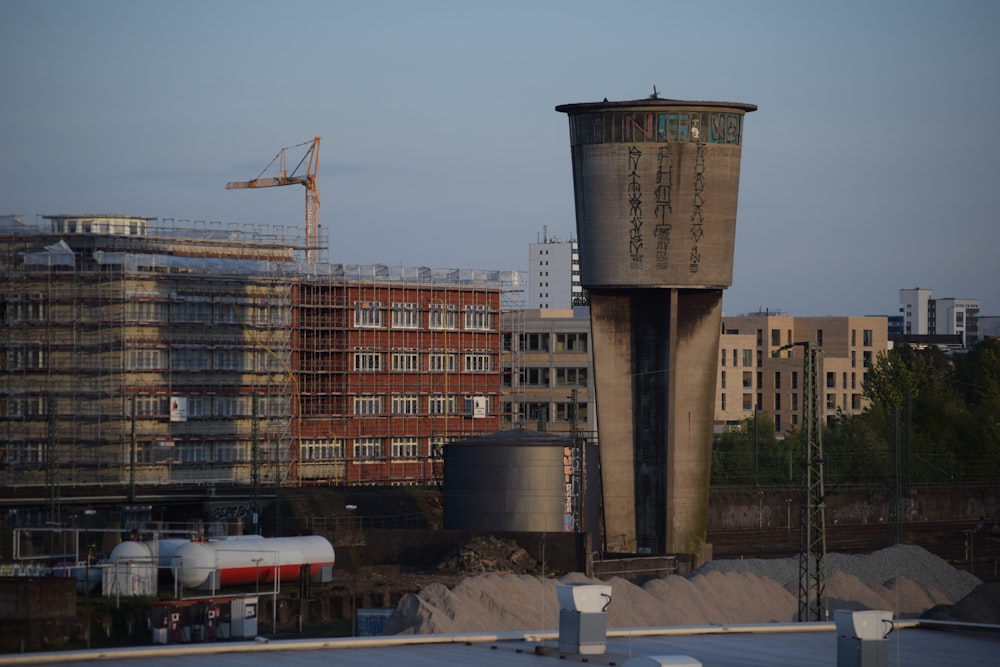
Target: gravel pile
x,y
906,580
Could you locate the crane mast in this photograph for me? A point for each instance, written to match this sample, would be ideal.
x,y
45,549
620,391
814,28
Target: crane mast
x,y
310,180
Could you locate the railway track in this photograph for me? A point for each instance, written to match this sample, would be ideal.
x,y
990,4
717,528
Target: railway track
x,y
963,544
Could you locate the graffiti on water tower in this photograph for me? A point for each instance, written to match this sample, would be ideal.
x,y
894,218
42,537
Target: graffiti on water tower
x,y
697,217
664,183
635,207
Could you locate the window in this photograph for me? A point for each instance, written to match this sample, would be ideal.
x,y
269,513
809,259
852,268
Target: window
x,y
747,402
26,407
367,314
367,361
831,380
777,401
367,405
723,357
151,405
854,337
228,359
440,405
574,376
747,358
478,318
722,405
188,359
856,402
405,448
571,342
795,379
867,358
777,379
775,337
565,412
760,337
405,315
535,342
831,401
747,380
477,363
722,381
819,337
368,448
536,377
442,316
795,401
323,450
405,362
405,405
485,405
141,360
441,362
867,337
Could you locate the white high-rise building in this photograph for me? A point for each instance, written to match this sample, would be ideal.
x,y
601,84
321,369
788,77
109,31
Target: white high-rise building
x,y
925,315
553,273
913,304
957,317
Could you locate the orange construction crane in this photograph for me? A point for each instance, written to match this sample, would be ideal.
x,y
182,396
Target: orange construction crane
x,y
310,181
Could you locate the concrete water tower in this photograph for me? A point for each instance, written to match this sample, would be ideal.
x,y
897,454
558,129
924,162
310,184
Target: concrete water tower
x,y
656,184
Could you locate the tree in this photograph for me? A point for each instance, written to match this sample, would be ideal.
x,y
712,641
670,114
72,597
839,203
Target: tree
x,y
752,454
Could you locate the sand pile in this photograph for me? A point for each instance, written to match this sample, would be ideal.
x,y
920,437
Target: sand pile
x,y
906,580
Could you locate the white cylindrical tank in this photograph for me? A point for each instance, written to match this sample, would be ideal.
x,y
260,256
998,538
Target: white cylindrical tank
x,y
247,559
131,551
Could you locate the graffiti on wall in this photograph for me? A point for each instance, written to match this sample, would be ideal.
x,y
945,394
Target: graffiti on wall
x,y
664,183
697,216
635,206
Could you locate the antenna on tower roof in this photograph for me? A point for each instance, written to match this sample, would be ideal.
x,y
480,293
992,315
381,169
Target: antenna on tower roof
x,y
656,93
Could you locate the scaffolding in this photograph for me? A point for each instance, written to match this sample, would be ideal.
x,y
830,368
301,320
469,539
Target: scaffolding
x,y
137,353
124,355
395,362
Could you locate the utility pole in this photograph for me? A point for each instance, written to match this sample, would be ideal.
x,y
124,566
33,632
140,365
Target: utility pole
x,y
255,467
812,514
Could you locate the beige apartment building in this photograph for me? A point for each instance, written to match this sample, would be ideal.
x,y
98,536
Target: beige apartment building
x,y
551,359
547,380
757,372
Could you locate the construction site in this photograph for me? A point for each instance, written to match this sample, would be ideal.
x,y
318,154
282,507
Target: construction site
x,y
140,353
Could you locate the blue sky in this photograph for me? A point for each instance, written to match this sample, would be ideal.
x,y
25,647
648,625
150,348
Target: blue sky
x,y
871,164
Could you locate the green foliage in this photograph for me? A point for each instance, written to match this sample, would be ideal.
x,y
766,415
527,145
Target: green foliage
x,y
932,417
753,455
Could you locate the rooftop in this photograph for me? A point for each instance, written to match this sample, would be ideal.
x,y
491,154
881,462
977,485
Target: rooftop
x,y
774,645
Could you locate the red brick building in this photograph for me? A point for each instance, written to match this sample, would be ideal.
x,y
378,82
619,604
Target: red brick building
x,y
388,367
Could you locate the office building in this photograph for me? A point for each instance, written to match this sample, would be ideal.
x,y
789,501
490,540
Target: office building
x,y
554,273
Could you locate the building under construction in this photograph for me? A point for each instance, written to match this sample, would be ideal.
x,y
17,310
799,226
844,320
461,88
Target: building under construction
x,y
137,352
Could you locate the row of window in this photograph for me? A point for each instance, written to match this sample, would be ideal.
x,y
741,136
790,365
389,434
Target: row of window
x,y
543,412
548,377
831,402
223,451
404,315
207,312
203,359
413,404
831,380
545,342
410,362
604,127
746,356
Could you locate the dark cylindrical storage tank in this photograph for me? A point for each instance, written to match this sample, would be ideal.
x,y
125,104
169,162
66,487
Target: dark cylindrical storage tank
x,y
508,481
